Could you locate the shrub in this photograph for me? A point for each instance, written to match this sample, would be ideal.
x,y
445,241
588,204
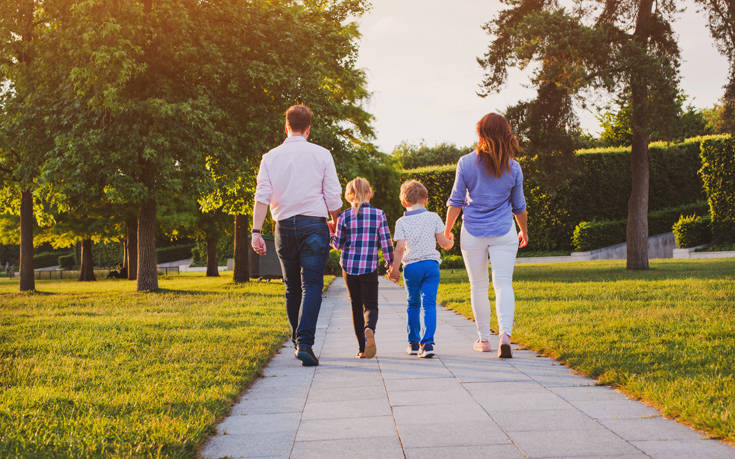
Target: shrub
x,y
174,253
718,176
691,231
66,261
107,254
45,259
225,249
597,234
452,262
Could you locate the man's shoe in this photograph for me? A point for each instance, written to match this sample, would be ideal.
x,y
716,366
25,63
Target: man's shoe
x,y
307,357
370,347
427,351
412,349
504,351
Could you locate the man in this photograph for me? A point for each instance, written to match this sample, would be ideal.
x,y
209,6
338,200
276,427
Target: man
x,y
299,182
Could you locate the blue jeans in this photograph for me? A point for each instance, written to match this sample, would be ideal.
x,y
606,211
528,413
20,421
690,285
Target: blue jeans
x,y
302,245
422,282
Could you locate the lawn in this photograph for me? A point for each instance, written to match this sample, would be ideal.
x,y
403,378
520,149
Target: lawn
x,y
666,336
92,369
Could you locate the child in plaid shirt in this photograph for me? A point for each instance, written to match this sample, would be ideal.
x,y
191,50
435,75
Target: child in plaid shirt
x,y
359,232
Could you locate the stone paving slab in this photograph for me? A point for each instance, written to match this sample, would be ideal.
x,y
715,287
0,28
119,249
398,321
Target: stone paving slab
x,y
458,404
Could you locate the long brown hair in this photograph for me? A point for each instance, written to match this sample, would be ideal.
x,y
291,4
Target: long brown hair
x,y
497,145
358,192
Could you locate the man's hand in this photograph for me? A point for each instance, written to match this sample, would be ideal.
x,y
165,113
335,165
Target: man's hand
x,y
332,226
394,273
258,243
522,240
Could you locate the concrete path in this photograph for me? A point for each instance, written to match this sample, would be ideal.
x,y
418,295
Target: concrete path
x,y
459,404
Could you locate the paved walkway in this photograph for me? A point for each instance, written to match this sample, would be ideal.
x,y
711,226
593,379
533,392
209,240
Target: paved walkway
x,y
459,404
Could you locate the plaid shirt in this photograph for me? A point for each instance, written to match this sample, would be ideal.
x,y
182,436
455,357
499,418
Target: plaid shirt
x,y
358,238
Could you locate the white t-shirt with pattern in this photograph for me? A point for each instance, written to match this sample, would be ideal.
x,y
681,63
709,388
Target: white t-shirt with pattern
x,y
419,228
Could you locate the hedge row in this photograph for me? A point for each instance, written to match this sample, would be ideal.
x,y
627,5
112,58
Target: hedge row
x,y
563,190
692,230
45,259
174,253
718,176
597,234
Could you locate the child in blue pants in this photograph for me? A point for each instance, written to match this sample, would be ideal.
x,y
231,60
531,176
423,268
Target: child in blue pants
x,y
416,236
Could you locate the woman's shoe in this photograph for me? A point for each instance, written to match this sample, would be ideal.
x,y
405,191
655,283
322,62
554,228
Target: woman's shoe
x,y
413,348
359,355
481,346
504,348
370,347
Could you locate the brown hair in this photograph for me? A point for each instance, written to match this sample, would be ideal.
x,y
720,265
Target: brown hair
x,y
358,192
298,117
413,191
497,145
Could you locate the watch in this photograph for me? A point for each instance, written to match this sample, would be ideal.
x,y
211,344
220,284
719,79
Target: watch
x,y
254,230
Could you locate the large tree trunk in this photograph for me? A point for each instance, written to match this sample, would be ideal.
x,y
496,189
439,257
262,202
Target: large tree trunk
x,y
131,247
242,249
86,272
212,268
147,268
27,279
637,229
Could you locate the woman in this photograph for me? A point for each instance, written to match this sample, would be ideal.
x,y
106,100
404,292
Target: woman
x,y
488,187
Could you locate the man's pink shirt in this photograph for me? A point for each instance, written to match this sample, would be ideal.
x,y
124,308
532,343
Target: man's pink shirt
x,y
298,178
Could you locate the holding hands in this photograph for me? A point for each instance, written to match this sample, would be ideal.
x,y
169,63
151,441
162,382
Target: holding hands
x,y
394,273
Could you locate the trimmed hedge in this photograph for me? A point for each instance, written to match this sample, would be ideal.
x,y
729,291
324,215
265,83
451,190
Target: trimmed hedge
x,y
718,176
45,259
563,190
692,230
66,261
597,234
174,253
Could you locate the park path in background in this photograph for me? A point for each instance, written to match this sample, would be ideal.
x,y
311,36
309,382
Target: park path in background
x,y
458,404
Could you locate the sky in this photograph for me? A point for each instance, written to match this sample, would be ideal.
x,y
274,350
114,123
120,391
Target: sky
x,y
420,60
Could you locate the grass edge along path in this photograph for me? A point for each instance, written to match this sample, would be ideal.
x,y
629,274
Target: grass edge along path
x,y
664,336
97,369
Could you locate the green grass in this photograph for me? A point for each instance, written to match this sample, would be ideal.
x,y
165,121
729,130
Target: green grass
x,y
93,369
666,335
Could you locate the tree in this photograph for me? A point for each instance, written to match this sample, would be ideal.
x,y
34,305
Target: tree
x,y
615,46
411,156
27,73
684,122
140,71
261,73
721,15
547,124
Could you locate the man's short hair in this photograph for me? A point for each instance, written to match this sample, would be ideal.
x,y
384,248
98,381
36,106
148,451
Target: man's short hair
x,y
413,191
298,117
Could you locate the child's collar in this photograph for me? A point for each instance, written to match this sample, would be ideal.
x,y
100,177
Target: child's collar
x,y
420,210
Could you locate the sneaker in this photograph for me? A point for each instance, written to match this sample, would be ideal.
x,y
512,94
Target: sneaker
x,y
427,351
504,348
307,357
412,349
370,348
481,346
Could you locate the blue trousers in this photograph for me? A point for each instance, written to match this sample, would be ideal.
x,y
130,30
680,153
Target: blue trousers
x,y
422,282
302,244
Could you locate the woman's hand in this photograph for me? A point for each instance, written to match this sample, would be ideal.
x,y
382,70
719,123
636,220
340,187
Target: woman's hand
x,y
522,239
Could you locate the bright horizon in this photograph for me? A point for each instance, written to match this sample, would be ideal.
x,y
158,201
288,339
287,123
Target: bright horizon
x,y
420,59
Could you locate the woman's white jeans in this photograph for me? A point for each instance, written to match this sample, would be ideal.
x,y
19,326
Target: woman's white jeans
x,y
502,251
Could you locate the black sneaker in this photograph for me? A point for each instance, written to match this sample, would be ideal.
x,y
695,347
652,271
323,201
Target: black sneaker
x,y
412,349
307,357
427,351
